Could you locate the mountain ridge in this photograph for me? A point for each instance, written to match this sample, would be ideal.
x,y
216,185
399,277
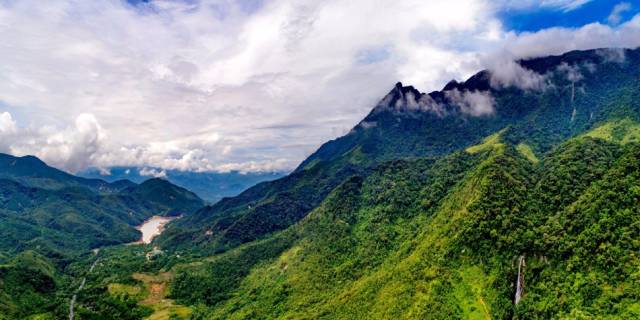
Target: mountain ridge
x,y
211,186
435,124
430,208
32,171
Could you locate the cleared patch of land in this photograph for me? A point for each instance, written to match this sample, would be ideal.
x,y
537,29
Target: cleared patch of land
x,y
153,293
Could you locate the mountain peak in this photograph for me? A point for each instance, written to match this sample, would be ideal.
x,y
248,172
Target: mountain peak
x,y
451,85
400,98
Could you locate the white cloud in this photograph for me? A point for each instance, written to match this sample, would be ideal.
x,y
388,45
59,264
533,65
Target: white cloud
x,y
210,85
104,171
7,131
151,172
616,55
506,73
615,15
73,148
560,40
563,5
7,124
474,103
572,73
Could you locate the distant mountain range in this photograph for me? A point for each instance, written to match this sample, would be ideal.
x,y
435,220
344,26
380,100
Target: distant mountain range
x,y
211,186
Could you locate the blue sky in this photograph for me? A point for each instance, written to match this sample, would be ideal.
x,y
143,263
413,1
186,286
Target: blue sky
x,y
252,85
535,18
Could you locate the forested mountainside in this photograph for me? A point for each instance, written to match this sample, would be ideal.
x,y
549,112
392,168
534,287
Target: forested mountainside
x,y
543,183
49,219
442,239
32,172
545,101
512,195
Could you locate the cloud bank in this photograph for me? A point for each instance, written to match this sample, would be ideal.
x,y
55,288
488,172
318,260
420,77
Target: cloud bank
x,y
244,85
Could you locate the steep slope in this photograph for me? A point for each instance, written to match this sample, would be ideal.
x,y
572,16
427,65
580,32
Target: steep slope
x,y
265,208
546,101
360,254
441,239
562,97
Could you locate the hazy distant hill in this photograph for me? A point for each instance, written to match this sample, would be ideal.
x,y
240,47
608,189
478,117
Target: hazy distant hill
x,y
211,186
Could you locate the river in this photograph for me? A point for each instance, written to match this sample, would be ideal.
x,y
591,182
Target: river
x,y
153,227
149,228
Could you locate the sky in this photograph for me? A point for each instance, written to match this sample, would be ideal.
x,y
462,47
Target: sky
x,y
252,85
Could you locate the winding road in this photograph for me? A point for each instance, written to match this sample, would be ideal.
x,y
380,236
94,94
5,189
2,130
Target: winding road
x,y
82,283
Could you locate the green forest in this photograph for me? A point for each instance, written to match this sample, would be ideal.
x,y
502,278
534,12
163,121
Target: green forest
x,y
422,216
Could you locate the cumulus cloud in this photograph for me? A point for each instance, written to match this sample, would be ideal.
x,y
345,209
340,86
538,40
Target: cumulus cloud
x,y
7,124
73,148
214,85
7,131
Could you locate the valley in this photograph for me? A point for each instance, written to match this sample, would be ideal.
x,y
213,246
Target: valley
x,y
153,227
422,211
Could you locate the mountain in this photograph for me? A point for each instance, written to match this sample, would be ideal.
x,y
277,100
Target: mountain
x,y
31,171
49,219
512,195
211,186
564,96
431,209
58,214
572,93
162,192
445,239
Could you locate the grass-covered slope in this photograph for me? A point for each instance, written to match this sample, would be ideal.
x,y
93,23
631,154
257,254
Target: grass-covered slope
x,y
441,239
